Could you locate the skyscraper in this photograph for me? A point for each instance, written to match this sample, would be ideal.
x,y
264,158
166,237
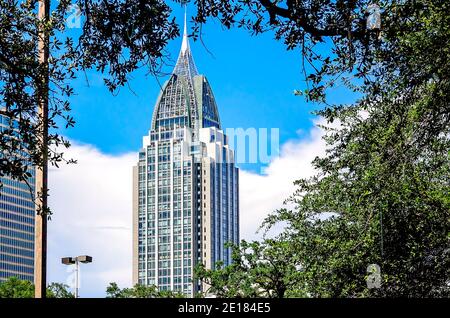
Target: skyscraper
x,y
186,197
17,212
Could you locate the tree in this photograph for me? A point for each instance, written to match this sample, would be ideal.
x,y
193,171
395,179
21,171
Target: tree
x,y
258,269
117,37
381,195
382,192
139,291
336,43
58,290
16,288
37,61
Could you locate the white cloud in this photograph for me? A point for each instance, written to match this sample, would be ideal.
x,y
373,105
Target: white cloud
x,y
91,202
263,194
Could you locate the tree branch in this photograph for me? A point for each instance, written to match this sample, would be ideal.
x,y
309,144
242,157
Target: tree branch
x,y
299,16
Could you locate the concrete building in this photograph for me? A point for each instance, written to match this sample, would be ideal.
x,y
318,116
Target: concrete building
x,y
186,197
17,211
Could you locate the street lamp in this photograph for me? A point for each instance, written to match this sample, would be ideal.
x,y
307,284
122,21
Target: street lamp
x,y
76,260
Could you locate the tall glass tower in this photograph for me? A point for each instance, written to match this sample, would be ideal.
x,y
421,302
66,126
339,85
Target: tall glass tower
x,y
17,212
185,185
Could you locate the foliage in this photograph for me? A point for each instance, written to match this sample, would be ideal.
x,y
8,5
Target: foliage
x,y
119,36
382,195
16,288
116,38
58,290
139,291
382,192
335,43
258,269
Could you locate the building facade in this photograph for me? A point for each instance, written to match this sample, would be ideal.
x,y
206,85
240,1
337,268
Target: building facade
x,y
185,185
17,211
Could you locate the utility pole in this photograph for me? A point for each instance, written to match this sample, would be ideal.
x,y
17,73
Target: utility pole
x,y
40,236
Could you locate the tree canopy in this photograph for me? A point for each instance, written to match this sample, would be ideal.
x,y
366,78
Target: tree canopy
x,y
116,38
119,36
258,269
16,288
139,291
381,196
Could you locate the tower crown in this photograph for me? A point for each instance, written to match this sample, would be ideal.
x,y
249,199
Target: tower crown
x,y
186,99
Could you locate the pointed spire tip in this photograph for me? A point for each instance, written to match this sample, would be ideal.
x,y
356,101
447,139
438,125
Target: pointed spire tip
x,y
185,43
185,63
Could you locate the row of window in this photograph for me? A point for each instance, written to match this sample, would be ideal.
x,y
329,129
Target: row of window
x,y
17,201
16,259
163,231
16,226
17,209
164,260
7,232
4,275
16,192
15,242
16,251
14,265
165,280
164,238
173,122
17,184
164,213
16,217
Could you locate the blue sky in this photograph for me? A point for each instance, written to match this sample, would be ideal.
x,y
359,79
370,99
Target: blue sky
x,y
253,79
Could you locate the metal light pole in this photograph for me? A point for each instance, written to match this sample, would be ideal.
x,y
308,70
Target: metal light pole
x,y
77,265
76,261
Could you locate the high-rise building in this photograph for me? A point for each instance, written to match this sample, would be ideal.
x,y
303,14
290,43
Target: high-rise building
x,y
17,211
186,197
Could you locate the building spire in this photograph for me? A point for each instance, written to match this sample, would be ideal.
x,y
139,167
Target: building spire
x,y
185,64
185,43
